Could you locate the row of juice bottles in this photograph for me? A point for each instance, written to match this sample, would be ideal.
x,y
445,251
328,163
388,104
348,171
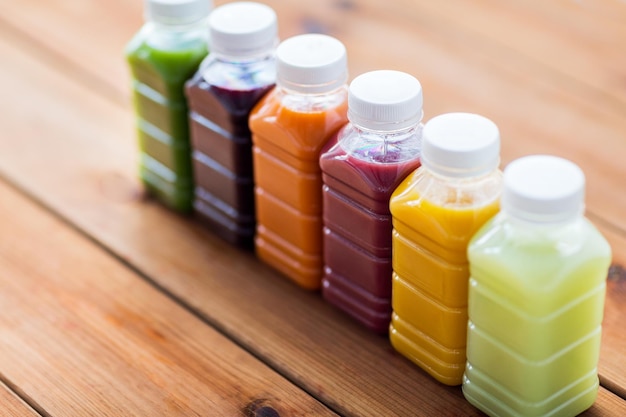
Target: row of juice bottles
x,y
492,281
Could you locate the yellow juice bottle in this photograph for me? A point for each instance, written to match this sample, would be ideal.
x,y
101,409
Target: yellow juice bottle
x,y
536,296
435,212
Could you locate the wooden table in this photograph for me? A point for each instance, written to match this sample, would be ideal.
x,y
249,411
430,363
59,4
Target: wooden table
x,y
112,305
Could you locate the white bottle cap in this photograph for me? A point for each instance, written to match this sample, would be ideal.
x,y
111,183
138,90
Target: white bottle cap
x,y
177,12
385,100
460,145
543,188
243,29
311,64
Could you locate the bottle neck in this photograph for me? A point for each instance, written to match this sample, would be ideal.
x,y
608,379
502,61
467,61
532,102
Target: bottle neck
x,y
534,222
239,73
525,232
167,36
391,136
306,102
242,61
382,146
460,179
458,193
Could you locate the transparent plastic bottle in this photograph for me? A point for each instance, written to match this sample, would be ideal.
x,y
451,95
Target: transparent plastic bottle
x,y
536,296
361,166
436,210
162,56
290,125
237,73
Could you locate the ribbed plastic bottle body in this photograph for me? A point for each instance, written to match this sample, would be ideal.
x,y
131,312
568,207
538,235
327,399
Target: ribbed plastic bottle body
x,y
221,96
434,218
289,130
360,170
161,58
536,302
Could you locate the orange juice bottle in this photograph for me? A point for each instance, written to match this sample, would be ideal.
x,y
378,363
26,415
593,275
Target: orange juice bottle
x,y
536,296
290,125
435,212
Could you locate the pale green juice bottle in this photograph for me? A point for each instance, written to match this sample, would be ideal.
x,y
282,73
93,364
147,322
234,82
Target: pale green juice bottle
x,y
536,298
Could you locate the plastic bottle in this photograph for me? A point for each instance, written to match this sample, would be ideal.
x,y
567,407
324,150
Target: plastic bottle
x,y
536,298
436,210
290,125
239,71
162,56
361,167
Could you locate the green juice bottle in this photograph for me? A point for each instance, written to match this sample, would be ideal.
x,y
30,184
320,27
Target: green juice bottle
x,y
536,296
164,54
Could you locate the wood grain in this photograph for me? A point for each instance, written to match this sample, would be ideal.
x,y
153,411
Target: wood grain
x,y
84,171
550,74
537,109
606,405
13,406
75,155
83,335
613,353
68,141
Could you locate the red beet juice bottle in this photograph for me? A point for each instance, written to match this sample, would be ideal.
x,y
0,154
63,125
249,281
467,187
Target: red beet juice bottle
x,y
239,71
361,167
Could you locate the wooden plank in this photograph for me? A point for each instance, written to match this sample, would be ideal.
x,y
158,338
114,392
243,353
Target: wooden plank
x,y
72,155
613,353
75,155
549,73
470,73
569,41
13,406
607,404
84,335
535,30
81,36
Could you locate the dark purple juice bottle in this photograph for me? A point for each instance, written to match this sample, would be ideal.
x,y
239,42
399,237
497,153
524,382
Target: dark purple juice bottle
x,y
361,168
239,71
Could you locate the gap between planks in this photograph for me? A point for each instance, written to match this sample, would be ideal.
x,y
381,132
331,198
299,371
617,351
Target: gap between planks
x,y
84,336
15,403
53,209
92,78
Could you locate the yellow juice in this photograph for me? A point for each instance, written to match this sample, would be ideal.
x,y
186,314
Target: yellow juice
x,y
433,224
536,301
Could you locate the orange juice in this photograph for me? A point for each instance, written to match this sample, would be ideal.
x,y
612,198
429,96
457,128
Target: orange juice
x,y
434,217
289,128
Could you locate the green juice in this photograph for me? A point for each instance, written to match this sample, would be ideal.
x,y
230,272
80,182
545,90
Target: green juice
x,y
536,301
160,64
